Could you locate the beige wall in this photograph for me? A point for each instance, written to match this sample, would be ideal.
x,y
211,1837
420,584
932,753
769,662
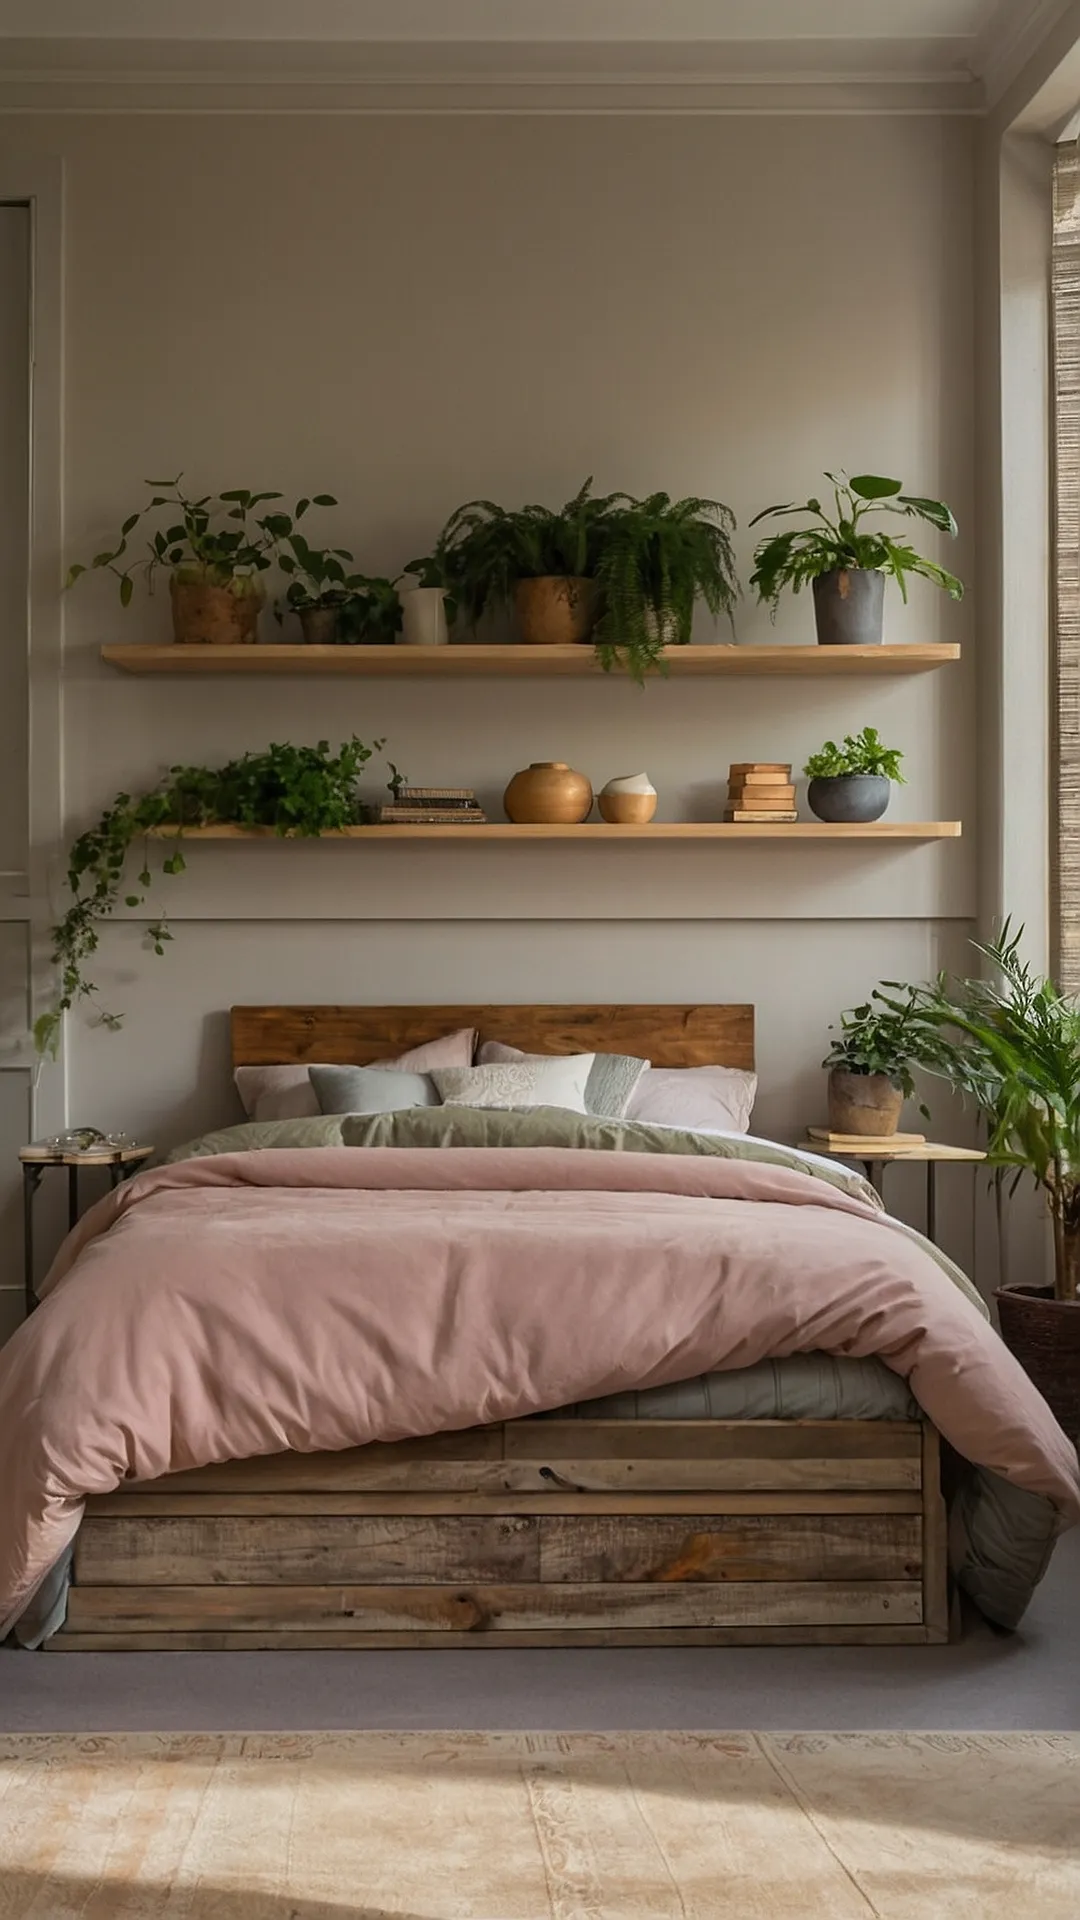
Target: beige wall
x,y
408,312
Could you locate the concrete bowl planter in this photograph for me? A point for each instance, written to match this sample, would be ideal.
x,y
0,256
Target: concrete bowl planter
x,y
848,798
849,607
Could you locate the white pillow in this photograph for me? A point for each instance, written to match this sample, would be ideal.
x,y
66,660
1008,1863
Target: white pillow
x,y
718,1098
610,1085
556,1082
286,1092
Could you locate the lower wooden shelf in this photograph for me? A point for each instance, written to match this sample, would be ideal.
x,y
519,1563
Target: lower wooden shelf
x,y
597,832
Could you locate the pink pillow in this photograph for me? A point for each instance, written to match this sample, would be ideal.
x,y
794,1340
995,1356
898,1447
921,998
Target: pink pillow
x,y
710,1099
286,1093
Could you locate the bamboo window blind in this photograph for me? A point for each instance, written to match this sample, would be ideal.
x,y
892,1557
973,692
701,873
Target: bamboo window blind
x,y
1065,793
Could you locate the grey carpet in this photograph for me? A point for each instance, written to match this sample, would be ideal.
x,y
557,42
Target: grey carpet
x,y
986,1682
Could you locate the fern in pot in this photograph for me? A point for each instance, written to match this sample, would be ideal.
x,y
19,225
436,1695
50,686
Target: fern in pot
x,y
660,556
1010,1043
544,560
848,562
214,548
851,783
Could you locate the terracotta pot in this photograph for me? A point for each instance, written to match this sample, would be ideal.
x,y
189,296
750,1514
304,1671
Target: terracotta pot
x,y
555,610
320,626
1044,1335
548,793
206,615
863,1103
628,800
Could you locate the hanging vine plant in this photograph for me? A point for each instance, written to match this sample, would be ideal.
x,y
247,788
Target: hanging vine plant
x,y
296,791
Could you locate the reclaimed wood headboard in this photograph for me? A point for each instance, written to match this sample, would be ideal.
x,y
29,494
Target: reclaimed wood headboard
x,y
351,1036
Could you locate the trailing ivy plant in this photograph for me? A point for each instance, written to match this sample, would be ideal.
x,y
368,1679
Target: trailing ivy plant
x,y
219,539
301,791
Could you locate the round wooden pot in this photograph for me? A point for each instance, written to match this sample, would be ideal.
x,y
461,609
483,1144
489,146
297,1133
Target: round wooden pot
x,y
866,1103
629,800
209,616
1044,1335
548,793
555,610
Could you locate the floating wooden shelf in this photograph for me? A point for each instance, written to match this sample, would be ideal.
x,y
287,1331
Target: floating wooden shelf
x,y
598,832
519,662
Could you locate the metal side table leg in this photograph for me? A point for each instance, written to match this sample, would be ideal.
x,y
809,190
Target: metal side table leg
x,y
31,1182
876,1179
931,1202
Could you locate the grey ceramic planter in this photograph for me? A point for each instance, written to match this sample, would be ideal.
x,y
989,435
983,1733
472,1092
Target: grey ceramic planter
x,y
849,607
849,797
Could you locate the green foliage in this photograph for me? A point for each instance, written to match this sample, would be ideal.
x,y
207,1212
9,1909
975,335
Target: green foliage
x,y
295,790
433,570
218,538
841,541
658,557
316,575
879,1038
861,753
370,612
1010,1042
484,548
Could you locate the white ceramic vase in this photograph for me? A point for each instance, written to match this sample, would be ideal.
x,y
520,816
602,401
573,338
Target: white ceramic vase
x,y
423,615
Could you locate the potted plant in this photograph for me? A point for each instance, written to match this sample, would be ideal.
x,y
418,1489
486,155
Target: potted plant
x,y
370,613
296,791
659,557
851,782
869,1066
848,562
215,549
1010,1042
543,559
427,602
318,587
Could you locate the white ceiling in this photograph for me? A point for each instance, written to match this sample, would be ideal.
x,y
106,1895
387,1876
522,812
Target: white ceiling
x,y
949,54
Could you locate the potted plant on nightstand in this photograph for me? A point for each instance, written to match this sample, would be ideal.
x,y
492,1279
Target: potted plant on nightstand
x,y
850,783
543,559
214,549
1010,1042
847,562
659,557
869,1066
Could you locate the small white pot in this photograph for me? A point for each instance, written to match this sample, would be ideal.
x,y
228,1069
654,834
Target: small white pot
x,y
423,612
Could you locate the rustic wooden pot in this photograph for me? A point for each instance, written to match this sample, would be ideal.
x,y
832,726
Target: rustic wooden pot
x,y
628,800
205,615
1044,1335
548,793
863,1103
555,610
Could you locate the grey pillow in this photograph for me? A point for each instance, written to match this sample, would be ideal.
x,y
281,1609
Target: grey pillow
x,y
371,1089
609,1089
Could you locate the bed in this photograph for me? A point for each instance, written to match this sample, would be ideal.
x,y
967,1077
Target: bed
x,y
670,1512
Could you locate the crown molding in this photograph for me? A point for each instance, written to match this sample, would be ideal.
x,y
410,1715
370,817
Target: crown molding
x,y
1010,39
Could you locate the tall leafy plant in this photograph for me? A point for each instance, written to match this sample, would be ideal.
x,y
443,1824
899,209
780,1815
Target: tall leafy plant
x,y
659,557
484,548
300,791
840,540
220,539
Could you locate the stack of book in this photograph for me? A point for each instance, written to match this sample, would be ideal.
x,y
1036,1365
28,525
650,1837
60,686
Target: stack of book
x,y
433,807
760,790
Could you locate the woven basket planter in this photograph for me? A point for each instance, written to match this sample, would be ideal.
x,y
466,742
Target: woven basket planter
x,y
1044,1334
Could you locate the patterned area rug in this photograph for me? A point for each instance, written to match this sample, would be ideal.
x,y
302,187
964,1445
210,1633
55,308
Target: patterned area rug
x,y
504,1826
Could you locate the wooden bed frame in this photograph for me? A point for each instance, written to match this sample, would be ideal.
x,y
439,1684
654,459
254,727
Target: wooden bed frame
x,y
538,1532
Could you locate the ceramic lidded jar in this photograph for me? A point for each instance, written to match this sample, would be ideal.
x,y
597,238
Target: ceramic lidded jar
x,y
628,801
548,793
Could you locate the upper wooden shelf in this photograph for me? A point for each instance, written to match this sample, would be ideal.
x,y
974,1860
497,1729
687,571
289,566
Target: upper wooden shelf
x,y
600,831
521,662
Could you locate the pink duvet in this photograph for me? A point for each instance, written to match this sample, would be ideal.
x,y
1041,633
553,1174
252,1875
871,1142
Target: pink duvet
x,y
246,1303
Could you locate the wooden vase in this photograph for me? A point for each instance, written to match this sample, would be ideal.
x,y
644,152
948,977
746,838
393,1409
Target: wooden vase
x,y
548,793
555,610
211,616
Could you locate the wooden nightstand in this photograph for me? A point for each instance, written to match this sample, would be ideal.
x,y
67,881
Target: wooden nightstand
x,y
122,1162
876,1158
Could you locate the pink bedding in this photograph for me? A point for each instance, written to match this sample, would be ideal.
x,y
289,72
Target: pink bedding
x,y
242,1304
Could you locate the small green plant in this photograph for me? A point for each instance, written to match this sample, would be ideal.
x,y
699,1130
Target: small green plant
x,y
316,575
484,548
841,541
659,557
432,570
219,539
880,1038
370,611
860,753
294,790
